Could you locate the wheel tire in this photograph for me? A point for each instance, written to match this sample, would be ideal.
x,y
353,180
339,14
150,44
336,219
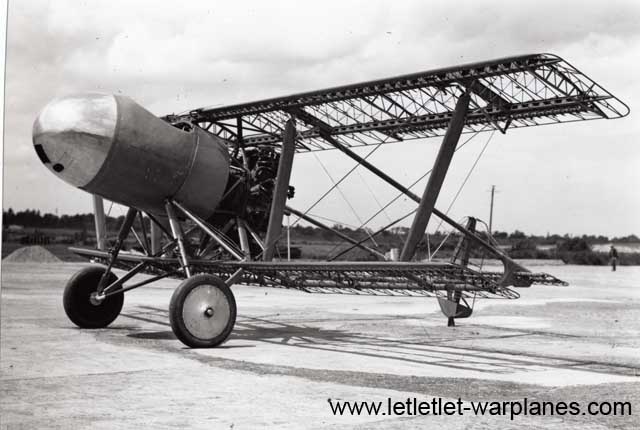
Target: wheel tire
x,y
77,299
202,311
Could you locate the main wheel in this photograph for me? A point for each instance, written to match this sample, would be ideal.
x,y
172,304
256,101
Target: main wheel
x,y
202,311
81,308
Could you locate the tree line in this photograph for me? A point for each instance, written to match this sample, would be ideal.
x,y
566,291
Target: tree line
x,y
35,219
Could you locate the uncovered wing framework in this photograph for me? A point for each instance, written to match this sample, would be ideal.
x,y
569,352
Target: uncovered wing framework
x,y
507,93
429,279
229,237
215,186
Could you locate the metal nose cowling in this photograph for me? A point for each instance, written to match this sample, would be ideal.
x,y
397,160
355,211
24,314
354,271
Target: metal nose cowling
x,y
111,146
72,136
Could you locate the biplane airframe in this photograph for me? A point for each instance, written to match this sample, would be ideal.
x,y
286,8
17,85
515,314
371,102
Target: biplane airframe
x,y
215,183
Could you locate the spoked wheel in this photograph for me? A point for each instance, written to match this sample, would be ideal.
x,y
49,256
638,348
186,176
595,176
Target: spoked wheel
x,y
202,311
80,304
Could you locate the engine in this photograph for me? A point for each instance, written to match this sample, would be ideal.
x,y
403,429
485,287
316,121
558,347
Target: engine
x,y
250,188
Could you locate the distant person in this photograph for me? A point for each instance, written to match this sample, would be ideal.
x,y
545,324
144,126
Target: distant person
x,y
613,257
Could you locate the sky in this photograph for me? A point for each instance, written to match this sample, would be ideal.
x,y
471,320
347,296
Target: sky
x,y
580,178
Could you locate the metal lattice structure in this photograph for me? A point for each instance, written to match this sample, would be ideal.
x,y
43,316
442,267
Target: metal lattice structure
x,y
506,93
229,199
433,279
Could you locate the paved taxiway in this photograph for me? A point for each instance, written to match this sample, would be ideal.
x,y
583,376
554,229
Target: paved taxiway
x,y
291,351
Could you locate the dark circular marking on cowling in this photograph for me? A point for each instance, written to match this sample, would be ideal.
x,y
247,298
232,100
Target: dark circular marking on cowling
x,y
58,167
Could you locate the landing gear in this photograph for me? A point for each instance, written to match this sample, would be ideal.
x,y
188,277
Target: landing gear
x,y
451,306
81,303
202,311
454,306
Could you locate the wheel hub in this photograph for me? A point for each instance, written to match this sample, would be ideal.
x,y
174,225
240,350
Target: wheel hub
x,y
206,311
96,299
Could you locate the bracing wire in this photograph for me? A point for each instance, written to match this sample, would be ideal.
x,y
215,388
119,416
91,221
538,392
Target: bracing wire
x,y
346,200
345,176
460,188
411,186
386,227
445,239
373,196
335,221
392,201
382,209
464,182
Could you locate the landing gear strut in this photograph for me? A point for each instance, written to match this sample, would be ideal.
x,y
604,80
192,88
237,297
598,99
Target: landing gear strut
x,y
84,298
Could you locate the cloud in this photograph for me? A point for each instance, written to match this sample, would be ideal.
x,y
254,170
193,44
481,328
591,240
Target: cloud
x,y
173,57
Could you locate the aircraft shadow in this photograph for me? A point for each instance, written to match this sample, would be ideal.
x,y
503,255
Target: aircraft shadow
x,y
428,351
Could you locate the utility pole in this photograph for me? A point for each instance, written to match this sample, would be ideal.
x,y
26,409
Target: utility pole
x,y
288,237
493,191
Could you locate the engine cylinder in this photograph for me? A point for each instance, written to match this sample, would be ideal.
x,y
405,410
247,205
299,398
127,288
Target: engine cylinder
x,y
111,146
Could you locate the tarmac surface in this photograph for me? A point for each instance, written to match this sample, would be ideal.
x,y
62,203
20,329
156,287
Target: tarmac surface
x,y
290,352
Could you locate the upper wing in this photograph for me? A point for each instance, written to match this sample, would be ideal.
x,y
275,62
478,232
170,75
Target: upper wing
x,y
506,93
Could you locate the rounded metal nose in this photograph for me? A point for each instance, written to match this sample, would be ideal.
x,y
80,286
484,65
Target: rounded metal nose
x,y
72,135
